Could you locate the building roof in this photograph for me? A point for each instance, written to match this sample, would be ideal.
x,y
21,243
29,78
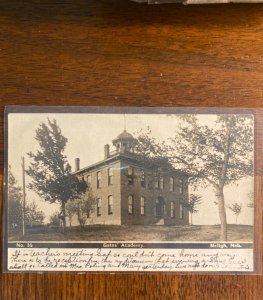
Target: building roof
x,y
125,136
152,163
133,158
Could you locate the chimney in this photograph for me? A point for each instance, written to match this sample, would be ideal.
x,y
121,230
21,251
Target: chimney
x,y
76,164
106,151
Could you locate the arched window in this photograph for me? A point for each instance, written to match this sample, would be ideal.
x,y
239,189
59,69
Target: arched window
x,y
156,182
130,204
130,175
171,184
98,179
142,206
143,181
181,186
172,209
110,205
110,176
159,207
125,148
99,207
181,211
161,184
89,180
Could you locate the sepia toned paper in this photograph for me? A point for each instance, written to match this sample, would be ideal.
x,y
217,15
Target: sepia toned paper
x,y
134,189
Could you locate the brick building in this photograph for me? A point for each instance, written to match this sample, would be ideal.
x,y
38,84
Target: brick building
x,y
132,190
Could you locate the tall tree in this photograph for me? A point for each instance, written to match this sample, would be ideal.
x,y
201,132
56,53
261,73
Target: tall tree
x,y
191,205
218,153
15,208
50,171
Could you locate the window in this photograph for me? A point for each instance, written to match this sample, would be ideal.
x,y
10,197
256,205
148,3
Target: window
x,y
159,207
156,182
161,184
172,209
110,205
143,182
130,175
142,206
110,176
130,204
89,180
88,213
130,170
181,211
99,207
99,180
171,184
181,186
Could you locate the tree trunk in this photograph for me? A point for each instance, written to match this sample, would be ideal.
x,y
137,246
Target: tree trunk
x,y
191,222
222,213
63,208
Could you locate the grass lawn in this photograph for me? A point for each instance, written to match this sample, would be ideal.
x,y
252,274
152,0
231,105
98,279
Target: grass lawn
x,y
140,233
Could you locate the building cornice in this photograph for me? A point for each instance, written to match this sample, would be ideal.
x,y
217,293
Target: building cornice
x,y
132,158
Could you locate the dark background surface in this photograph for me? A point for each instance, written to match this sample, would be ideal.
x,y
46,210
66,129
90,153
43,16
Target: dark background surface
x,y
115,52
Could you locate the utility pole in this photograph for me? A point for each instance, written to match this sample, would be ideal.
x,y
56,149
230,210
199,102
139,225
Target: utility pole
x,y
24,196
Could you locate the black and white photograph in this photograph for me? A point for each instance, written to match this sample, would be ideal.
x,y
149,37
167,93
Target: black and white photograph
x,y
131,190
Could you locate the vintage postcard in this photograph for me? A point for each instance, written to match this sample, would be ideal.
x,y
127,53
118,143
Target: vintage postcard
x,y
129,189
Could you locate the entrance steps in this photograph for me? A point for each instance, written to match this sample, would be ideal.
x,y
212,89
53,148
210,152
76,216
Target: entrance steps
x,y
160,222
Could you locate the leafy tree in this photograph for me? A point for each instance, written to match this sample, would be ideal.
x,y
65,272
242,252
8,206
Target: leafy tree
x,y
55,219
15,207
191,205
50,171
70,210
33,214
81,207
236,209
217,155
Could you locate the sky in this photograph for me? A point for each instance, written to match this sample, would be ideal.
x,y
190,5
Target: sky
x,y
88,133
